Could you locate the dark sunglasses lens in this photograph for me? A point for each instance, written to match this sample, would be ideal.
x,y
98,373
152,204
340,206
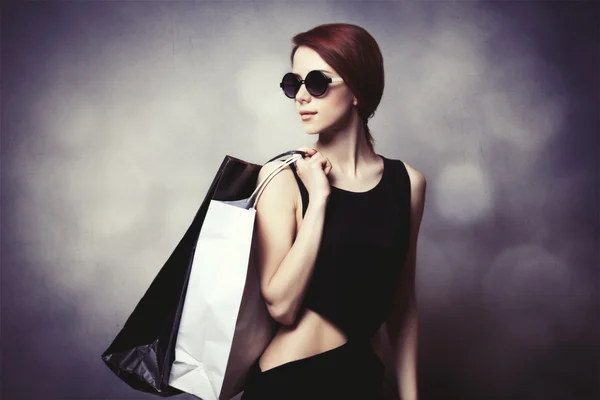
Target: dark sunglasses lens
x,y
316,83
290,85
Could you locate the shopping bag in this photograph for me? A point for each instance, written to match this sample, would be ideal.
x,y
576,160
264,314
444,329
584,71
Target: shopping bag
x,y
225,324
143,353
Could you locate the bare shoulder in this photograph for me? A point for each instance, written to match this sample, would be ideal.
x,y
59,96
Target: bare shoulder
x,y
281,186
418,185
417,179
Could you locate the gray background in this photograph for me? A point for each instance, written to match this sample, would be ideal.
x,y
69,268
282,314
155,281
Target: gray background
x,y
116,115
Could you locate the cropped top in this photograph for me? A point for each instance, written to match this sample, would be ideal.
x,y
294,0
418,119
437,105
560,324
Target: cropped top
x,y
363,249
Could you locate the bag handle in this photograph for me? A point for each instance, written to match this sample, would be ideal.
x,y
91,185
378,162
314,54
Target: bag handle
x,y
303,153
296,155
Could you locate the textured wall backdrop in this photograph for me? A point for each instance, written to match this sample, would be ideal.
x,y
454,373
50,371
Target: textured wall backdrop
x,y
115,116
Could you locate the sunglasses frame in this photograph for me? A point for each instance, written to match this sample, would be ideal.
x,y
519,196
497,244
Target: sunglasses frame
x,y
301,82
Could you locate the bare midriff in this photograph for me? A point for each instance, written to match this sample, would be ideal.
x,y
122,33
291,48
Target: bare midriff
x,y
310,335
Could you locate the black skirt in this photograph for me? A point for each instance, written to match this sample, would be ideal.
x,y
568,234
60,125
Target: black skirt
x,y
350,371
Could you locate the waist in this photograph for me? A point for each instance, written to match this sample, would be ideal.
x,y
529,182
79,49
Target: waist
x,y
313,334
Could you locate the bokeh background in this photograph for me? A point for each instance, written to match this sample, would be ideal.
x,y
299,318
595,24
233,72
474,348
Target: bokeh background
x,y
116,115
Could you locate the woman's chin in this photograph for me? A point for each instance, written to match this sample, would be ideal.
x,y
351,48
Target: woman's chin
x,y
310,131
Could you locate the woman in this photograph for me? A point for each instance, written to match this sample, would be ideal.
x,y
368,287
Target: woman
x,y
336,235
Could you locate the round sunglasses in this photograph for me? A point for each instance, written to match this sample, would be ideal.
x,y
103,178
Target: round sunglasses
x,y
316,83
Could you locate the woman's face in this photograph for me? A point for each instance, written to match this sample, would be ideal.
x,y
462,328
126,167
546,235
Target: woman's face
x,y
333,108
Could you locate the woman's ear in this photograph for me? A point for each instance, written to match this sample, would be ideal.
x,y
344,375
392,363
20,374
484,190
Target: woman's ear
x,y
355,101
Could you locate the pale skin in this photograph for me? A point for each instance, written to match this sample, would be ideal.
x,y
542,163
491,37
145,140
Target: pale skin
x,y
287,243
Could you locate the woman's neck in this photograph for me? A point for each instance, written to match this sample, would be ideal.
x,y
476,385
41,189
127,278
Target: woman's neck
x,y
349,152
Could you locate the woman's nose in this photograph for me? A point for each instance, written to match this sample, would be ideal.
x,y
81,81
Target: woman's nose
x,y
303,93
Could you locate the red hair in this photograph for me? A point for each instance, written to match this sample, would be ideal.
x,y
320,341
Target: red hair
x,y
355,55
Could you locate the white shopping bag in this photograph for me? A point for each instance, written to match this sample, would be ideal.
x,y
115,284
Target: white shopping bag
x,y
224,324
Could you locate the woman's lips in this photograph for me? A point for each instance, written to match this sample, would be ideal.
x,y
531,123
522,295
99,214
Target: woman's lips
x,y
306,117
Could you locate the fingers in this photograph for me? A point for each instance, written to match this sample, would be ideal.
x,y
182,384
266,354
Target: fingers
x,y
318,158
315,157
308,153
308,150
326,165
320,161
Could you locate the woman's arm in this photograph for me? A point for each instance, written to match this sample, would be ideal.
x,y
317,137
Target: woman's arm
x,y
285,260
402,323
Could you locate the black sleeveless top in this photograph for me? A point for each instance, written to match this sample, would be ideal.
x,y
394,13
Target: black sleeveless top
x,y
363,249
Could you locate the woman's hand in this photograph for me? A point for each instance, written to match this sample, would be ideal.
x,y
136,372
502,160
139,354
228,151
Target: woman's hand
x,y
313,171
